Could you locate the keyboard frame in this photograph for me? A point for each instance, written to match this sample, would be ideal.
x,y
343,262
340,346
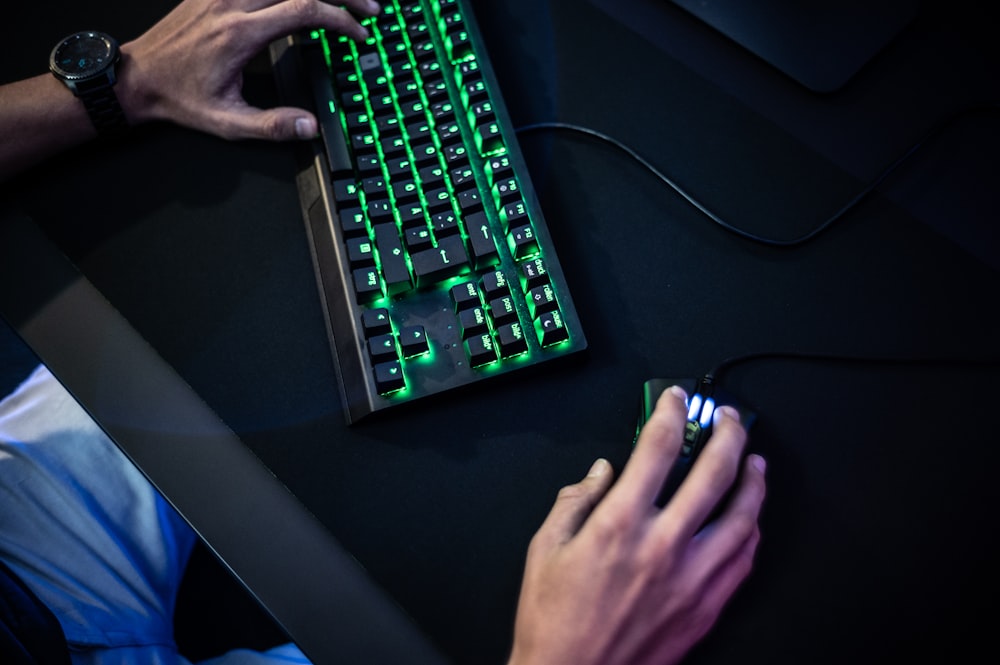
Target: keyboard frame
x,y
341,311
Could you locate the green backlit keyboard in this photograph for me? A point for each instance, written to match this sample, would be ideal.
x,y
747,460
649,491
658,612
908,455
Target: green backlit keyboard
x,y
434,262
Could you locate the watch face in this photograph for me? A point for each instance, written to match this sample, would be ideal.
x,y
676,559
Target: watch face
x,y
84,54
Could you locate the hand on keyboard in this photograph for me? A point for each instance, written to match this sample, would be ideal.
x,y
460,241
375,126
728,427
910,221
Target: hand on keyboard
x,y
188,67
612,580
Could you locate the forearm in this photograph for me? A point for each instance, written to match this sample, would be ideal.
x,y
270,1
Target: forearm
x,y
39,117
186,69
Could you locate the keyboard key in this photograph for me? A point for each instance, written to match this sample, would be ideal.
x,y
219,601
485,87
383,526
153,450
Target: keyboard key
x,y
368,164
510,339
449,133
334,142
469,201
541,299
374,187
405,191
499,168
465,296
481,350
455,155
445,224
375,322
382,348
489,139
534,273
367,285
345,191
412,216
473,322
551,329
389,377
474,91
459,46
379,211
446,260
503,310
413,341
439,200
513,213
523,242
352,222
360,252
418,238
494,284
481,112
481,243
392,256
462,176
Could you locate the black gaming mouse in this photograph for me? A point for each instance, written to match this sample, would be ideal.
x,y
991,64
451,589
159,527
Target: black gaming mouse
x,y
703,398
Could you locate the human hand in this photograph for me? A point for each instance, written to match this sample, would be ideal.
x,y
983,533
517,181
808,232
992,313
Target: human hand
x,y
188,67
612,580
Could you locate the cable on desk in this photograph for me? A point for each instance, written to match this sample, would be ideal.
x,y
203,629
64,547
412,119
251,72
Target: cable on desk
x,y
771,242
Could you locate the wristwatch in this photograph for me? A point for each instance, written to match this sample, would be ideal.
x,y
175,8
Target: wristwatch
x,y
87,63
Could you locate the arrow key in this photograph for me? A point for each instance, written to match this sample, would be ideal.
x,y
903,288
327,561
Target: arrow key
x,y
481,242
413,341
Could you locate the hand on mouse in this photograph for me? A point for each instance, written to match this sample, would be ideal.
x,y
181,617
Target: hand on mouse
x,y
188,67
612,580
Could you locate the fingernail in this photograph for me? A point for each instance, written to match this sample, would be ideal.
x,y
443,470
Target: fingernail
x,y
374,7
759,463
678,392
305,128
725,411
599,468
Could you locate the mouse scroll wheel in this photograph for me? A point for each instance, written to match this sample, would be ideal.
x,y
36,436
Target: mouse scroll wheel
x,y
700,410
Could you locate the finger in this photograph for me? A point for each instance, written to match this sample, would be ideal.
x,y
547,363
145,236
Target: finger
x,y
287,17
573,505
727,534
277,124
359,7
719,588
655,451
711,476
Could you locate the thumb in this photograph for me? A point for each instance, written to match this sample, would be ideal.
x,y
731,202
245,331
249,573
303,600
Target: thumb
x,y
573,505
277,124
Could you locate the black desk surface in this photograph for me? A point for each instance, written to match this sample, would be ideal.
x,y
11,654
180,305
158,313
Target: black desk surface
x,y
879,530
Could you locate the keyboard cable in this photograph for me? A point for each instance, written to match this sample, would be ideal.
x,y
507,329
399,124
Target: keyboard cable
x,y
771,242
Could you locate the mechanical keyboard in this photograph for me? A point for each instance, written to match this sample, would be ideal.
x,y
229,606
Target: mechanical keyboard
x,y
434,263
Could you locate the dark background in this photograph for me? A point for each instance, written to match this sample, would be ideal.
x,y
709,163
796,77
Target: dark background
x,y
879,528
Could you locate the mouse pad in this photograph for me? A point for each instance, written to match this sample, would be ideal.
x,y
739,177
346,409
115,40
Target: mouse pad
x,y
821,44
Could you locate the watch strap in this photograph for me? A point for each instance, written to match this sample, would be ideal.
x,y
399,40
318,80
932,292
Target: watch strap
x,y
104,110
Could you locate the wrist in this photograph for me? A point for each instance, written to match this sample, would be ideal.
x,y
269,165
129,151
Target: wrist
x,y
86,63
138,100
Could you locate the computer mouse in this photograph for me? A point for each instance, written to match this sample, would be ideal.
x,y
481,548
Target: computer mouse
x,y
703,398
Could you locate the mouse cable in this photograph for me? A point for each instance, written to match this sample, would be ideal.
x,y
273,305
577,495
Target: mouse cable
x,y
771,242
728,363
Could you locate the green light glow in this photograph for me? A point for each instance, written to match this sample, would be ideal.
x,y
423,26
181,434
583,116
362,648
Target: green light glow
x,y
488,165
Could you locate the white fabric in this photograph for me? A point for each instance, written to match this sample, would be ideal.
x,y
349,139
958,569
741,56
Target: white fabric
x,y
91,537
